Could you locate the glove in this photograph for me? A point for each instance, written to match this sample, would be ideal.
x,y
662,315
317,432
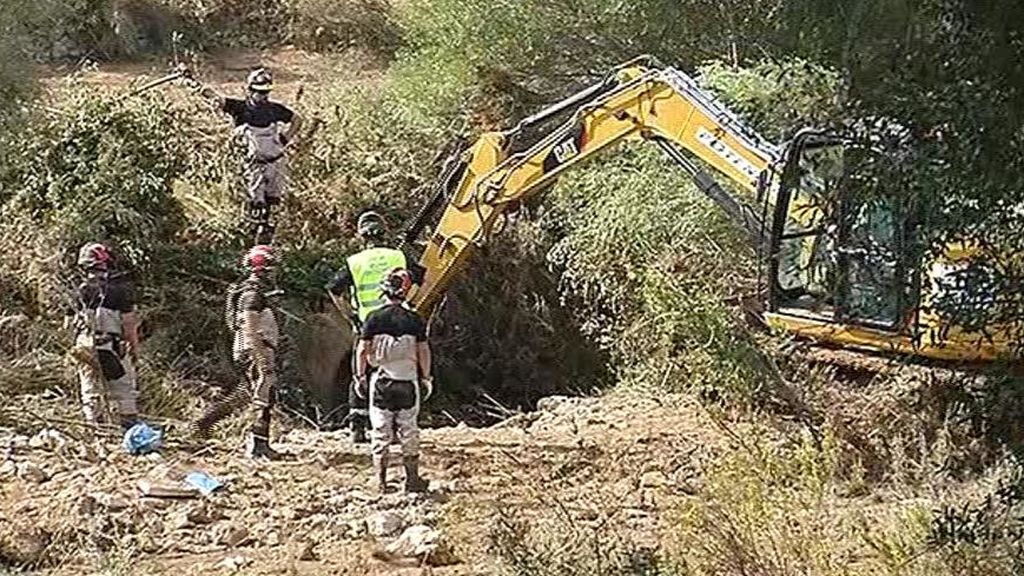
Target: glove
x,y
361,385
428,388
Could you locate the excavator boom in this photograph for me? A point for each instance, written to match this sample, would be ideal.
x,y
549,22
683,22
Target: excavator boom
x,y
660,104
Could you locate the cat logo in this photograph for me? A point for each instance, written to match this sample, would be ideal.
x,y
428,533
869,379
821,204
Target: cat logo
x,y
566,151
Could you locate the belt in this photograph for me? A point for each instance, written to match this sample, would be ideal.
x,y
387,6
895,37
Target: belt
x,y
269,160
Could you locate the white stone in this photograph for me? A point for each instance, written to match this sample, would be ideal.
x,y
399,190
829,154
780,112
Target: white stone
x,y
384,524
416,541
32,473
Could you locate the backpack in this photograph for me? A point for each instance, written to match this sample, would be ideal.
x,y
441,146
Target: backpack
x,y
232,297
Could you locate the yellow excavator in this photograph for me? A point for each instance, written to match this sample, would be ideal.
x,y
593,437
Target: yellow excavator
x,y
833,269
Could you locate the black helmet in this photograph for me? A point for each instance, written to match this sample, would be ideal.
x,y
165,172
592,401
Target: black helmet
x,y
371,225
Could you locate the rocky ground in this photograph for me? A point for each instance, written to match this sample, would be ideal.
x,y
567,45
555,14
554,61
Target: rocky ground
x,y
615,464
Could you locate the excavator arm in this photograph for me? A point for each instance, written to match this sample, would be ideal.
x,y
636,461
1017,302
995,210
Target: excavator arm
x,y
636,101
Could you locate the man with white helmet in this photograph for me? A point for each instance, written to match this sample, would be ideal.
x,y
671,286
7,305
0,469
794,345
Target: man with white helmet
x,y
107,337
250,316
394,340
258,122
360,280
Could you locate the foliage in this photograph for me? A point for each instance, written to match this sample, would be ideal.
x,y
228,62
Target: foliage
x,y
307,24
642,261
549,46
777,97
775,507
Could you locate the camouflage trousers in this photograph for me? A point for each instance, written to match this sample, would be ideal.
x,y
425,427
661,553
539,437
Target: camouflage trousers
x,y
265,181
253,391
109,379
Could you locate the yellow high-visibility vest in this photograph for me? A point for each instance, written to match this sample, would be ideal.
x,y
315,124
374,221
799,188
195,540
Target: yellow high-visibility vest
x,y
369,268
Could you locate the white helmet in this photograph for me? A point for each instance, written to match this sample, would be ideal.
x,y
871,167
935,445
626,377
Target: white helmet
x,y
260,80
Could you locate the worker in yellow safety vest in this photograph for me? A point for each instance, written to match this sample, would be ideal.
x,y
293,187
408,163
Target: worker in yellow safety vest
x,y
360,279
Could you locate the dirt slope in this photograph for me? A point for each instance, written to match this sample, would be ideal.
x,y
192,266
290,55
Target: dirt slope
x,y
619,459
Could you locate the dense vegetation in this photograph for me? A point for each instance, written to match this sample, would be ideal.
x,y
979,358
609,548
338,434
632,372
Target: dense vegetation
x,y
622,273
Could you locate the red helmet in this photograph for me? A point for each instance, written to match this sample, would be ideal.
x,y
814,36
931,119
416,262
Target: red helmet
x,y
94,256
259,258
397,283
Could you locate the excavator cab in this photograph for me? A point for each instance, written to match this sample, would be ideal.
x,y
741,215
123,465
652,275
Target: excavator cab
x,y
839,253
844,262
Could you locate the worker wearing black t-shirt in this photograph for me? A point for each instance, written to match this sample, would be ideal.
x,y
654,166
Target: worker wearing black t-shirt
x,y
258,122
106,338
394,340
359,280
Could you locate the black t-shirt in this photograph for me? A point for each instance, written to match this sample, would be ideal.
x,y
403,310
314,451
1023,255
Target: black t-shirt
x,y
394,320
257,114
112,293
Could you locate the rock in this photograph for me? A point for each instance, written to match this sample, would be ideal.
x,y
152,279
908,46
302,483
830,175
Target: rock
x,y
48,439
442,486
422,543
654,479
339,500
306,551
165,490
272,539
86,506
384,524
179,521
153,504
363,496
355,529
8,468
234,563
203,514
551,403
32,473
24,545
112,502
232,535
415,541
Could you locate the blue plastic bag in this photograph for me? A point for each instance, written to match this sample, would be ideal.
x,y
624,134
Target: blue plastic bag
x,y
203,482
142,439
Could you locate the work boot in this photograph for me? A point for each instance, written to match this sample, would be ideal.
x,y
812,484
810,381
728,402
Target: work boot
x,y
358,427
413,481
380,468
258,448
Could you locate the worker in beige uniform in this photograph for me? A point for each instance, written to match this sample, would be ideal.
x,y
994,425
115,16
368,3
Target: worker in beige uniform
x,y
250,316
394,340
106,338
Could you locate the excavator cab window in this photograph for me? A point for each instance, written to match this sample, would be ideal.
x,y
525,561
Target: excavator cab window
x,y
837,251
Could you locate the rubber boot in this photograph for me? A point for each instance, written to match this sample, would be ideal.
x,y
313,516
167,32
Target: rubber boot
x,y
380,469
413,481
358,426
258,448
